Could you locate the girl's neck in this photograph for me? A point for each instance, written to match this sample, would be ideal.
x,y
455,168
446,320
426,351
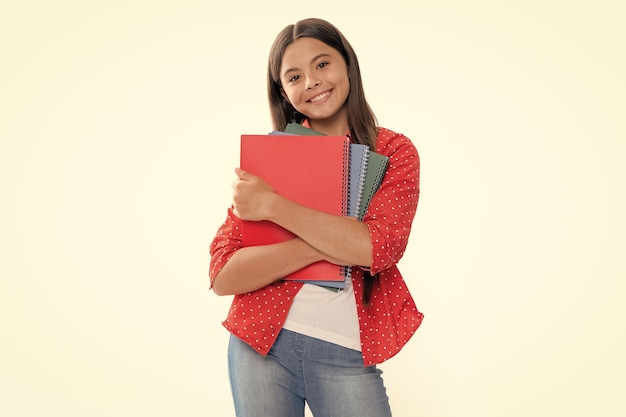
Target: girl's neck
x,y
337,125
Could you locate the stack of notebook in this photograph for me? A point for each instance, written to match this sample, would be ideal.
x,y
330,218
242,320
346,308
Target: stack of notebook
x,y
326,173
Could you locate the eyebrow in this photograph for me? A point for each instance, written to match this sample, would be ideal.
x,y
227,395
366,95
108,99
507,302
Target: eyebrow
x,y
315,58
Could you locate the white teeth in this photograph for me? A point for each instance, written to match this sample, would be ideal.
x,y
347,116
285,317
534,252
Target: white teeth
x,y
320,97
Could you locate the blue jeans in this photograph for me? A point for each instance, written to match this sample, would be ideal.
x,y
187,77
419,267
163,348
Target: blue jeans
x,y
298,368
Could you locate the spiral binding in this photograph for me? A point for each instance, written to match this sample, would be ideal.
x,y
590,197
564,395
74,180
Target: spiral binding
x,y
379,176
346,177
359,196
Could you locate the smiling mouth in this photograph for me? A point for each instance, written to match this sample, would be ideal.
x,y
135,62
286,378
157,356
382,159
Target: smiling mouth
x,y
320,97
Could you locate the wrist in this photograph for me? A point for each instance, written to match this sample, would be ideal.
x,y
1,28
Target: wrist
x,y
273,207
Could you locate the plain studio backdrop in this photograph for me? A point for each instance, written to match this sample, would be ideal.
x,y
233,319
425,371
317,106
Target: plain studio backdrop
x,y
119,133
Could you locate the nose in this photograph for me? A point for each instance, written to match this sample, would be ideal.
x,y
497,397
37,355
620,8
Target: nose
x,y
312,82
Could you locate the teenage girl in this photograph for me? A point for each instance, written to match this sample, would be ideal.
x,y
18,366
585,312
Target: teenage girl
x,y
291,342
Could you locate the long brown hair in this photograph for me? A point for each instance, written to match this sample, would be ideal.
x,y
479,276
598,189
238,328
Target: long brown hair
x,y
361,119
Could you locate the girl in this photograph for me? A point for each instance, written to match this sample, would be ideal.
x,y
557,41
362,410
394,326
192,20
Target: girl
x,y
290,342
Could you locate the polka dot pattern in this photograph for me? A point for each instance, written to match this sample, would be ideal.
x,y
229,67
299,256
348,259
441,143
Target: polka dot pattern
x,y
392,317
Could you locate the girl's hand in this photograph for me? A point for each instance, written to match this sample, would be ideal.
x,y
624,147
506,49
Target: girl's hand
x,y
252,196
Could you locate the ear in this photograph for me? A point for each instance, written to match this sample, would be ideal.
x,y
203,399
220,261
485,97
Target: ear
x,y
282,93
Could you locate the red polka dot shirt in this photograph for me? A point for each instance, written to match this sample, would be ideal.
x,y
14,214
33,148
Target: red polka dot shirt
x,y
392,317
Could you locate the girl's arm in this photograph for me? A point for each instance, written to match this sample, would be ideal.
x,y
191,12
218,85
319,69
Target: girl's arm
x,y
253,267
344,239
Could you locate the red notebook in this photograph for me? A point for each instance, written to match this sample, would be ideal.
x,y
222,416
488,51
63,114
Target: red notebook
x,y
309,170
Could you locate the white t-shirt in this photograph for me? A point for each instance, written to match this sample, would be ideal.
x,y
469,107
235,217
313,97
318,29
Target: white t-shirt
x,y
327,315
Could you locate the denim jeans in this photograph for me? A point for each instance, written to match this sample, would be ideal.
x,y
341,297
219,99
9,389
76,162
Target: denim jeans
x,y
298,368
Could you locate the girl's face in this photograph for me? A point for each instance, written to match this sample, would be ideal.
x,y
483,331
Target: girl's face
x,y
315,81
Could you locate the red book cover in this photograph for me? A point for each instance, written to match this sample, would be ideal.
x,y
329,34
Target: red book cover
x,y
309,170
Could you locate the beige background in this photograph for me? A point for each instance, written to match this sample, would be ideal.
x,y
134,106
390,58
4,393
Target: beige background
x,y
119,126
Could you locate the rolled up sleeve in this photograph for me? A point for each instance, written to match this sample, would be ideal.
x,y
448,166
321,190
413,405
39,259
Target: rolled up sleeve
x,y
392,209
227,240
